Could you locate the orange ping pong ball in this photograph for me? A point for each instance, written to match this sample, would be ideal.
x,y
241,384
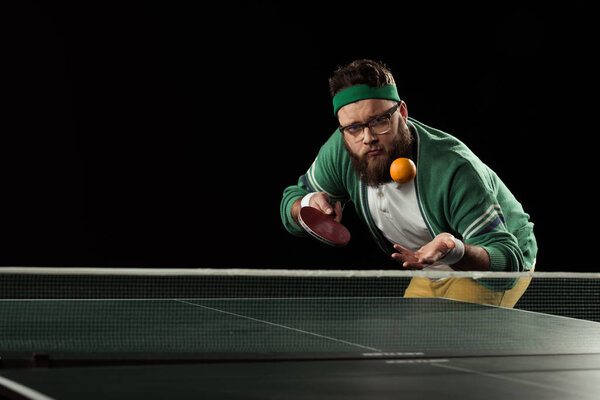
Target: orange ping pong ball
x,y
403,170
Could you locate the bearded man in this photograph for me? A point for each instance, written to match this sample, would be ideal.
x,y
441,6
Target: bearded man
x,y
456,214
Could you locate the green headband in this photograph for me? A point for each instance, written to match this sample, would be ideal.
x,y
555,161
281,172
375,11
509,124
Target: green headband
x,y
362,92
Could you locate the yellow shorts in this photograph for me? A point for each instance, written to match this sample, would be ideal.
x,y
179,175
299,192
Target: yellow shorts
x,y
466,289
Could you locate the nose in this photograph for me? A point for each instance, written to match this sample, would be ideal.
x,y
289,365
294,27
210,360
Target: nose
x,y
369,136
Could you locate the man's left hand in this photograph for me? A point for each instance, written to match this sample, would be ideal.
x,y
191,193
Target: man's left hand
x,y
433,251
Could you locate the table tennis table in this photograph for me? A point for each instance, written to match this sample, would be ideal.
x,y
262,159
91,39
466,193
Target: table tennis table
x,y
350,347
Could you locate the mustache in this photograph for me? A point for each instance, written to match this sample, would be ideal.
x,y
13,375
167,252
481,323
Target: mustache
x,y
372,148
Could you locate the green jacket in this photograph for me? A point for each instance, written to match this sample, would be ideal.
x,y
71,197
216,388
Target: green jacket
x,y
456,191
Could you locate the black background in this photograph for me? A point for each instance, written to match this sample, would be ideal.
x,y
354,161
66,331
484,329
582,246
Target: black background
x,y
162,135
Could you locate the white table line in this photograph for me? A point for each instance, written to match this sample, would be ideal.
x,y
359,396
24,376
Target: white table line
x,y
280,326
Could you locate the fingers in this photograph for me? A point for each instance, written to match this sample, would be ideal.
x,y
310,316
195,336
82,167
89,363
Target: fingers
x,y
402,249
321,202
409,259
338,211
403,254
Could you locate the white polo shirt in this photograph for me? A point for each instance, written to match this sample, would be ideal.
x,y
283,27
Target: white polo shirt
x,y
395,210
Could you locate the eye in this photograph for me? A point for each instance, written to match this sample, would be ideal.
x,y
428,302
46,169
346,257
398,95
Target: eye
x,y
353,129
378,121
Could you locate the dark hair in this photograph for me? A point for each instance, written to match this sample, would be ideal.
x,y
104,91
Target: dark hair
x,y
360,72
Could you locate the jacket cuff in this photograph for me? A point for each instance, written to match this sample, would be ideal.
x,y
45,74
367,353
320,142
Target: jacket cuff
x,y
288,222
499,261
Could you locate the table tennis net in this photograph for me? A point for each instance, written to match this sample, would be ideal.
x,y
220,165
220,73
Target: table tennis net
x,y
193,311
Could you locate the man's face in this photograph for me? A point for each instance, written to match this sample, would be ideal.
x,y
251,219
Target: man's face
x,y
373,153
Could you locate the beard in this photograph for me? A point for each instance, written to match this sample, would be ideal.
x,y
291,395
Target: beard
x,y
375,171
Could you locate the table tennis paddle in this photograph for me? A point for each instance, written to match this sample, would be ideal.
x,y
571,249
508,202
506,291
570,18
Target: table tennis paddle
x,y
323,227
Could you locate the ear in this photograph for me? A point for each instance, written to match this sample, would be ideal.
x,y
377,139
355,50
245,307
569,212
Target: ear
x,y
403,110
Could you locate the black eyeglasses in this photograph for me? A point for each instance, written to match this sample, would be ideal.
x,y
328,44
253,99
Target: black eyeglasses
x,y
377,125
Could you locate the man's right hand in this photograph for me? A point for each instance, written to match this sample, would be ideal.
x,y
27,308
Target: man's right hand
x,y
322,202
